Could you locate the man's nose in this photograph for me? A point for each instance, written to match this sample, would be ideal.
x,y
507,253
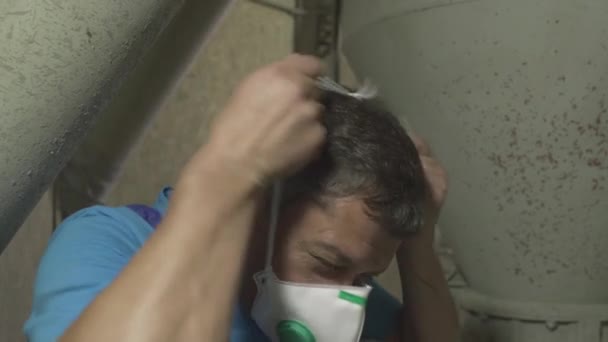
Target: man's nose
x,y
352,280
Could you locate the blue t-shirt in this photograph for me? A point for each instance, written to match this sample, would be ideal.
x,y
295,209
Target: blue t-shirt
x,y
91,247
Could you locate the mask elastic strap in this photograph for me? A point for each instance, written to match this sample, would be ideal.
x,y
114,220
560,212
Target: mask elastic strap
x,y
275,206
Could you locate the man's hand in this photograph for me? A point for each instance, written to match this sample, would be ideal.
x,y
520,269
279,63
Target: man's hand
x,y
429,312
271,126
437,185
435,174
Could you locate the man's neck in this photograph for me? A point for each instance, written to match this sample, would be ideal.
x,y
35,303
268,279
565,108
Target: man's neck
x,y
254,263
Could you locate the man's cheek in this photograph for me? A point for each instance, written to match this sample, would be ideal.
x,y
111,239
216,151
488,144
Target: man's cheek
x,y
287,267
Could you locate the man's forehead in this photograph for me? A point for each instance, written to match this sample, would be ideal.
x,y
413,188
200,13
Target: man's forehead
x,y
342,229
350,252
320,246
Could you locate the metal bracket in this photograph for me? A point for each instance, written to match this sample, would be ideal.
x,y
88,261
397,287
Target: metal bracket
x,y
316,28
316,32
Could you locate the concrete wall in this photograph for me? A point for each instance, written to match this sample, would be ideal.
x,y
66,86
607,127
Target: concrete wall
x,y
250,36
18,263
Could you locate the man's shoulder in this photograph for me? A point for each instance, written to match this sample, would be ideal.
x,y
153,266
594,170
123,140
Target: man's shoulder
x,y
117,223
85,253
97,236
382,314
94,238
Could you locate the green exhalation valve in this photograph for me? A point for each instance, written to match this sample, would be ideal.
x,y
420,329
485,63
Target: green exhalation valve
x,y
294,331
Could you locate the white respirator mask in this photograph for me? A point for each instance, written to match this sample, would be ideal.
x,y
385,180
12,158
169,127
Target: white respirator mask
x,y
295,312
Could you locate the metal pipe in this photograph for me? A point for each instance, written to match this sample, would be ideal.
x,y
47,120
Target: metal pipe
x,y
61,64
89,175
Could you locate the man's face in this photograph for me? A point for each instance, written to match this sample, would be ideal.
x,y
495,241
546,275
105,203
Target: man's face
x,y
331,243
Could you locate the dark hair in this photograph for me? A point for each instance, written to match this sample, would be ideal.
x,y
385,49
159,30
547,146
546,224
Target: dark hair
x,y
369,155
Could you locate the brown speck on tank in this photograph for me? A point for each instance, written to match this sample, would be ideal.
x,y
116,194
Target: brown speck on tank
x,y
497,160
595,162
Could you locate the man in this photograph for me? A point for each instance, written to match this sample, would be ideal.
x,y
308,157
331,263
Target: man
x,y
354,193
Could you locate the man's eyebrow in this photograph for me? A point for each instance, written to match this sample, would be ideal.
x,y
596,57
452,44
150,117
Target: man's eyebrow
x,y
328,250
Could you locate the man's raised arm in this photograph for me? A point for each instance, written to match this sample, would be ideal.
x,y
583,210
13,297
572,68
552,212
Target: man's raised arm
x,y
181,286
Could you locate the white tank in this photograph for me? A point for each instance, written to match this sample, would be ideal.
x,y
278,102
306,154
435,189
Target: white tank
x,y
511,96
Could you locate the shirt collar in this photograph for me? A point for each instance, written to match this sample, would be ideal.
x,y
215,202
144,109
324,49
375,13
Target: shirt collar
x,y
162,202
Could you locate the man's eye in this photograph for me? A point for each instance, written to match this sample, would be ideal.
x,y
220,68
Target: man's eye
x,y
329,266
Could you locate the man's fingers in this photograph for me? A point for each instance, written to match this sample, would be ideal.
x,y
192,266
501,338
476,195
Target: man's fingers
x,y
421,145
309,86
310,109
435,174
308,65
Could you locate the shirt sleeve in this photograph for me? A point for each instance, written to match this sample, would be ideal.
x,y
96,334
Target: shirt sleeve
x,y
381,314
84,256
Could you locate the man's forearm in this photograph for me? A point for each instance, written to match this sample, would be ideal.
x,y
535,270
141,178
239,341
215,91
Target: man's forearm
x,y
182,284
429,311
